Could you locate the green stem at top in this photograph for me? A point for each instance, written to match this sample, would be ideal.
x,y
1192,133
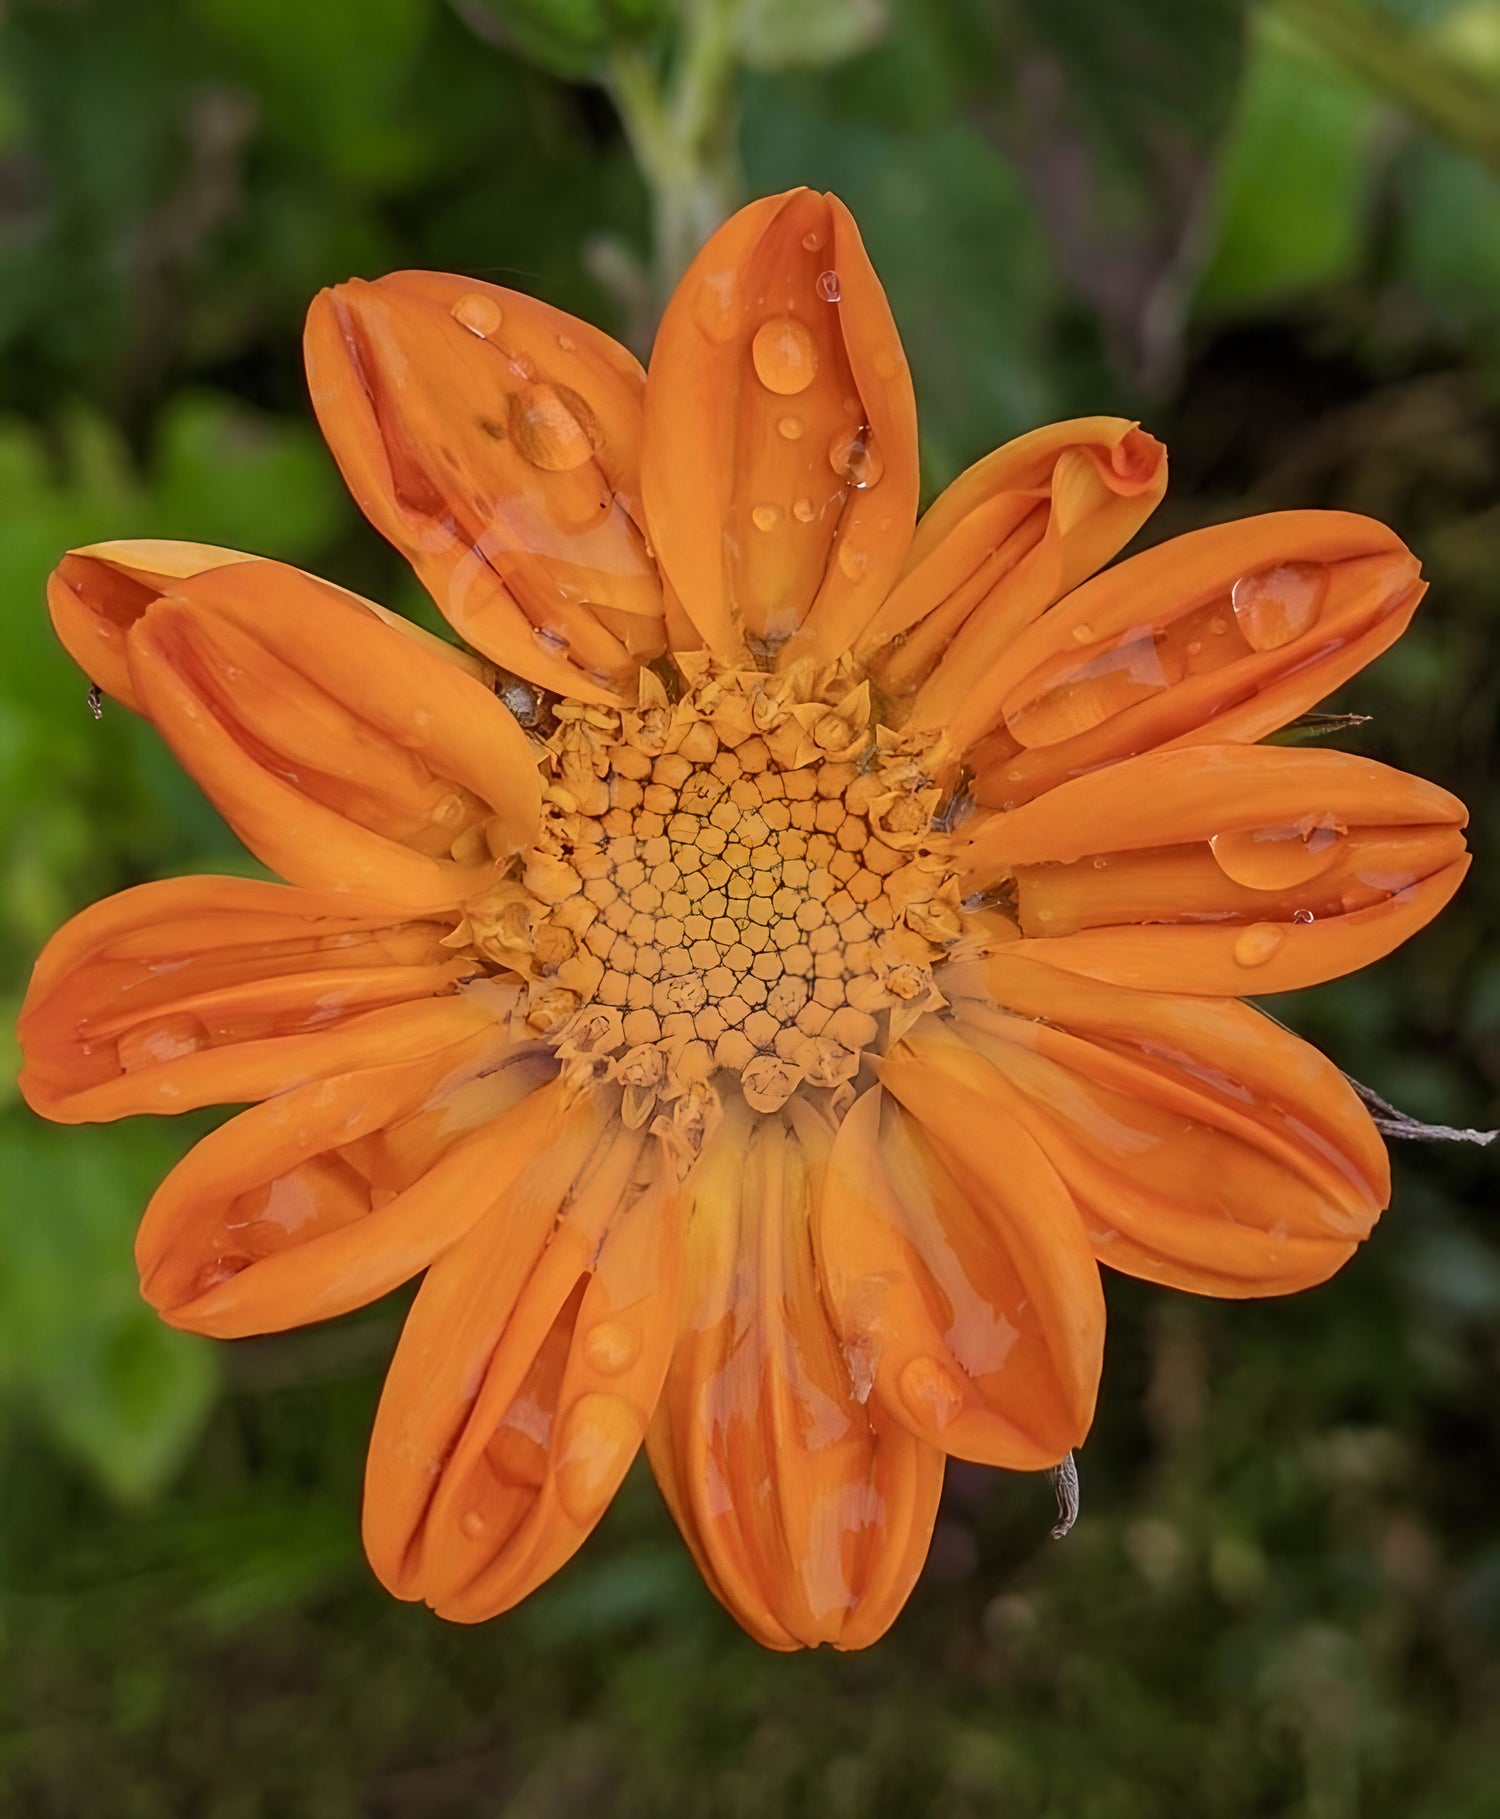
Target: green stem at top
x,y
1460,106
681,125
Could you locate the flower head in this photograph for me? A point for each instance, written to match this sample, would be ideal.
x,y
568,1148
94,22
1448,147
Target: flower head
x,y
761,985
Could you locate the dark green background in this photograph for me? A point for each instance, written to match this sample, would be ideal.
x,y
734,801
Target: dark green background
x,y
1274,236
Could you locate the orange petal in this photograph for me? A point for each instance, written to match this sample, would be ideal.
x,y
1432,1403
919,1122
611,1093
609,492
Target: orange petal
x,y
496,442
1222,634
210,991
96,593
808,1513
329,1195
346,755
780,466
530,1364
957,1268
1207,1147
1259,868
1008,537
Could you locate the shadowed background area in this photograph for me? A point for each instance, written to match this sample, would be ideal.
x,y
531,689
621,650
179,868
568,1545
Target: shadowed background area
x,y
1271,232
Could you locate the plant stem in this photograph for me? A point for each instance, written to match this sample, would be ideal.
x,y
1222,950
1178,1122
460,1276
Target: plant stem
x,y
1393,59
681,126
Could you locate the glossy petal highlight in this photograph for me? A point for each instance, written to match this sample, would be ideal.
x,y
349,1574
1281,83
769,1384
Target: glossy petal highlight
x,y
1206,1147
1222,634
1225,869
496,442
780,466
527,1372
345,755
334,1193
957,1269
808,1511
209,991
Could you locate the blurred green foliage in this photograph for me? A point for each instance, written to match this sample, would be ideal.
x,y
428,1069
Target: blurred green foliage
x,y
1273,232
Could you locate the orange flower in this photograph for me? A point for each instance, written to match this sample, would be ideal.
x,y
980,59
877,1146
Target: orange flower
x,y
761,986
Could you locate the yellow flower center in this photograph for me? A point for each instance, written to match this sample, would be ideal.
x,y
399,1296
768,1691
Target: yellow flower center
x,y
742,889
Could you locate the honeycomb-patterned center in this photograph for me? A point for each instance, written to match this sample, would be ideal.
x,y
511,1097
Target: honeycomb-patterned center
x,y
738,885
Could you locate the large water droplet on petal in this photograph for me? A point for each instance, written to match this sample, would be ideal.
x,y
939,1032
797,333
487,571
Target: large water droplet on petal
x,y
612,1347
828,287
1275,605
600,1435
554,428
766,517
804,511
791,428
1257,944
1090,692
812,241
479,314
1275,858
785,355
855,458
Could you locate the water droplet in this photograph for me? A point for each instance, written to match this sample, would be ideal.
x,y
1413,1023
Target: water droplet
x,y
1194,647
852,561
855,458
804,511
1086,691
930,1392
554,428
449,811
601,1434
1256,946
1302,916
785,355
612,1347
766,517
812,241
1218,627
1275,858
1100,862
889,363
479,314
790,427
566,343
1083,634
828,287
472,1524
1275,605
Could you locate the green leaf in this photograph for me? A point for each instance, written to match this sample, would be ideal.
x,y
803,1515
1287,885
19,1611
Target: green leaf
x,y
791,34
1294,190
570,37
79,1350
